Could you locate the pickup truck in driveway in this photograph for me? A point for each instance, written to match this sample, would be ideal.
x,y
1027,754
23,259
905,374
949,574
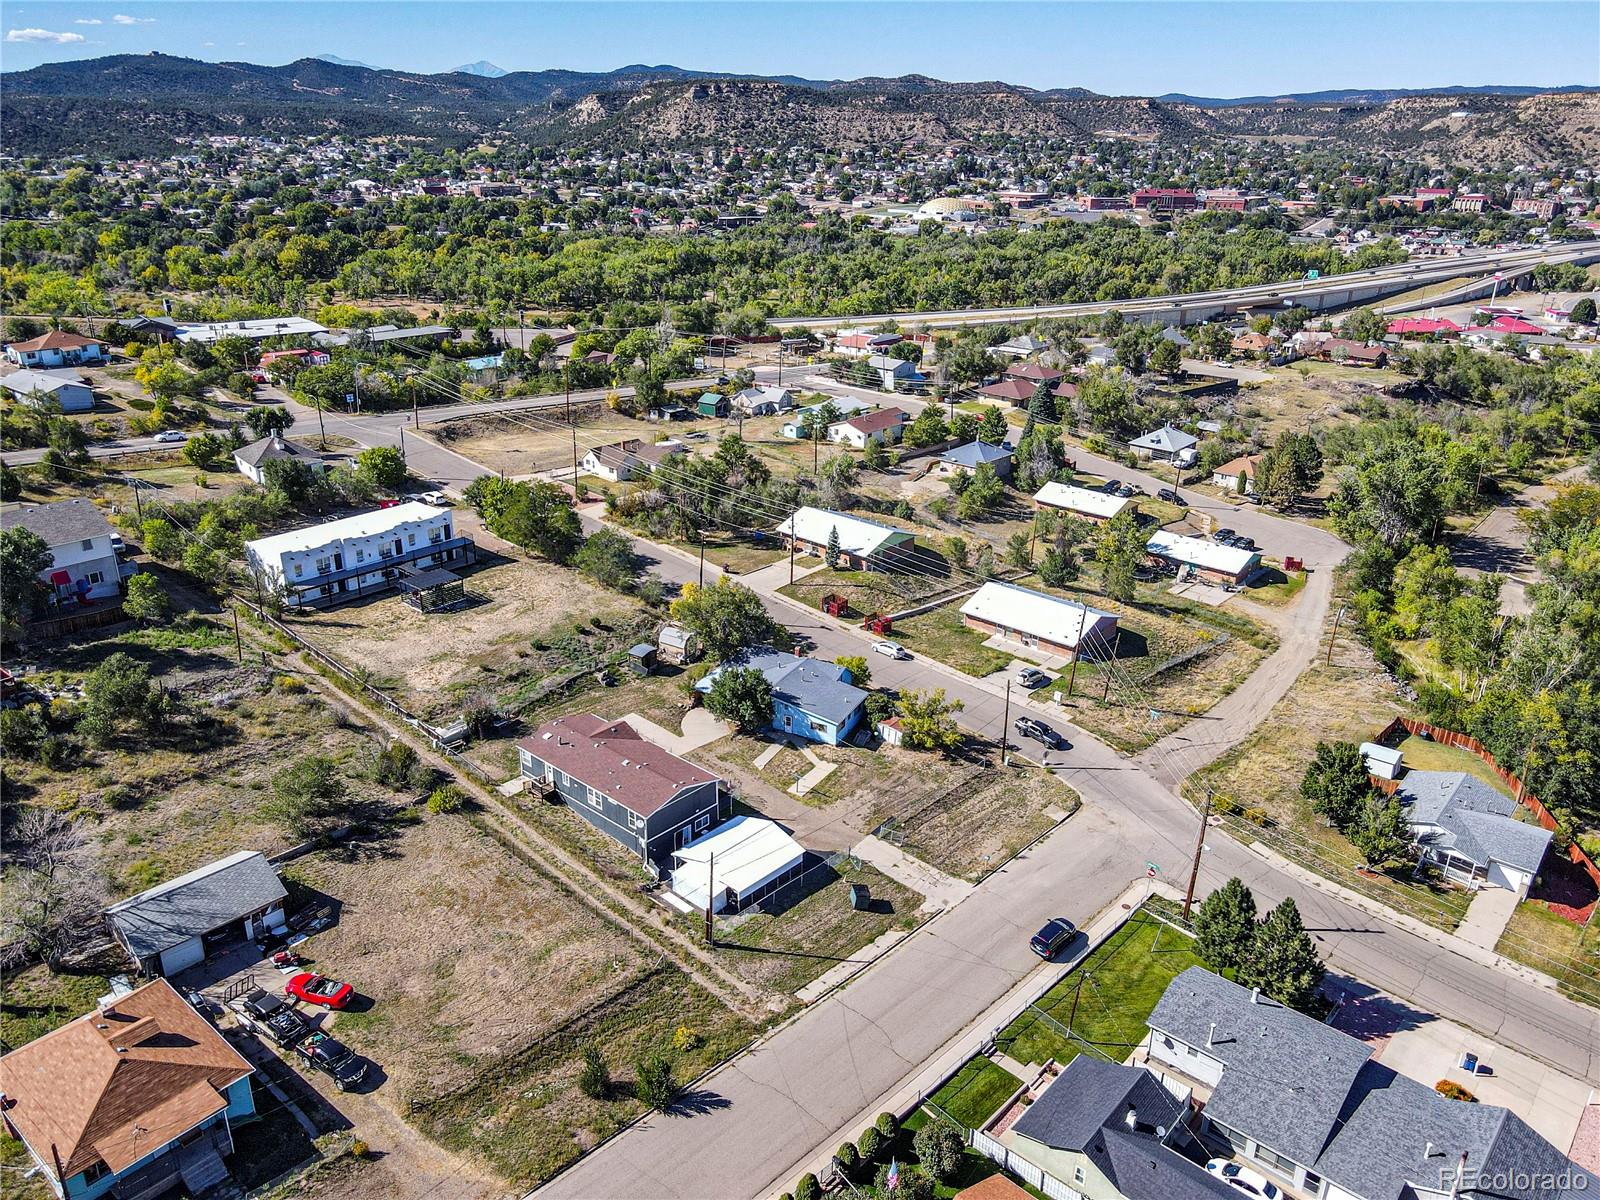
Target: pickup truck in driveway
x,y
344,1066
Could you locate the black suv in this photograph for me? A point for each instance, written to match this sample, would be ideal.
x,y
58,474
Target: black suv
x,y
334,1059
265,1013
1172,497
1053,938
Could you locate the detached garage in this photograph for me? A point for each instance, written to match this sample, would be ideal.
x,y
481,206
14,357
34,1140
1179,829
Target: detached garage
x,y
171,926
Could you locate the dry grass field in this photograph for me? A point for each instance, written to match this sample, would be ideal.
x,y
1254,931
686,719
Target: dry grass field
x,y
525,444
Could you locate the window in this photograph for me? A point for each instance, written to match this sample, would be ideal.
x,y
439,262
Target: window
x,y
411,539
324,565
596,799
1077,1174
436,534
95,577
361,555
298,568
1272,1158
635,821
95,1172
1313,1183
702,822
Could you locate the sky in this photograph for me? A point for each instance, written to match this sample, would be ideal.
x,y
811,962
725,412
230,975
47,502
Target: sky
x,y
1248,47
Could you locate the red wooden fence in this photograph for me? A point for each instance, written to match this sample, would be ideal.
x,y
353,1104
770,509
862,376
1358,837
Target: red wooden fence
x,y
1449,737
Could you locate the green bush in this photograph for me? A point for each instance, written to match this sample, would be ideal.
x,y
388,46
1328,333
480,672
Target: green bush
x,y
849,1159
653,1080
808,1188
594,1080
446,798
870,1144
887,1125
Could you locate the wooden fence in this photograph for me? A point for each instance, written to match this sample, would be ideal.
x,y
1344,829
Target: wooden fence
x,y
1393,731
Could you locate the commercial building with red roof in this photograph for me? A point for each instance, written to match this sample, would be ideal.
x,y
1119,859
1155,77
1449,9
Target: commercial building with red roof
x,y
1423,326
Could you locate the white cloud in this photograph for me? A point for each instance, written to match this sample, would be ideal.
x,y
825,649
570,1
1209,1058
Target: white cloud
x,y
88,21
125,19
43,35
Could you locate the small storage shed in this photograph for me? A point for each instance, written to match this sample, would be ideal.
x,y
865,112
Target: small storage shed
x,y
642,658
1382,761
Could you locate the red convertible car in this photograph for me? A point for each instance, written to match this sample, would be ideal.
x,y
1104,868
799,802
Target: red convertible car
x,y
319,989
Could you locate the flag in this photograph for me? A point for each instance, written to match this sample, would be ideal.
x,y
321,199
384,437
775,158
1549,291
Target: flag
x,y
892,1179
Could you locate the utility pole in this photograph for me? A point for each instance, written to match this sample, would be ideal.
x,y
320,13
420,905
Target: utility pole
x,y
321,429
1199,845
402,443
1072,674
1005,729
416,422
574,456
238,646
138,499
792,536
702,558
780,363
1339,616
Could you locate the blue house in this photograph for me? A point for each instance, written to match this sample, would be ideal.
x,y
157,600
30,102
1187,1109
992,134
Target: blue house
x,y
811,699
133,1099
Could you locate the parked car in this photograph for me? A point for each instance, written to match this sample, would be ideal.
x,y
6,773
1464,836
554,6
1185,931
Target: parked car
x,y
1056,935
891,650
1030,727
1222,535
1110,486
335,1059
1032,677
171,435
266,1014
1251,1183
1245,543
318,989
436,498
1170,495
1126,489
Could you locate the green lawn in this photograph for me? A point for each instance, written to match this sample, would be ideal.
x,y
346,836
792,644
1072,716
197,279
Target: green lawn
x,y
1276,588
974,1168
37,1000
973,1094
940,634
1423,755
1116,987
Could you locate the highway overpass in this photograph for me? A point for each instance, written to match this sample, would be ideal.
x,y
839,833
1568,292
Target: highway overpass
x,y
1334,291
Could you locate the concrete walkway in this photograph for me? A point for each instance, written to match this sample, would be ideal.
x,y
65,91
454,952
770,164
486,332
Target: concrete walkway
x,y
700,728
938,889
1487,917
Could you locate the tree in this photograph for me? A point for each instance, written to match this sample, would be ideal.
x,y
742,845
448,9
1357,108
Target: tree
x,y
1120,550
913,1184
831,556
928,721
982,494
875,457
1166,358
24,557
928,428
1288,470
856,664
537,517
743,696
1382,835
1019,553
53,896
653,1082
1225,925
724,615
119,695
1282,961
1363,325
993,427
10,483
939,1148
161,539
848,1158
1583,312
265,420
203,564
1336,783
203,450
383,467
594,1080
606,556
308,797
955,549
145,601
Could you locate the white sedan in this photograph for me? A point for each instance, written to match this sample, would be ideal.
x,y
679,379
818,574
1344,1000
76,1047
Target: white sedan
x,y
890,650
171,435
1251,1183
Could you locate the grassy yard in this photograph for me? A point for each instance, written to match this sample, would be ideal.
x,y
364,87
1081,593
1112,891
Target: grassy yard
x,y
1115,987
973,1094
941,634
975,1167
36,1000
1422,754
1542,939
1275,588
736,554
809,926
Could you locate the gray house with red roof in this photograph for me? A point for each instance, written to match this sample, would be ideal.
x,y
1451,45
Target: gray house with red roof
x,y
643,796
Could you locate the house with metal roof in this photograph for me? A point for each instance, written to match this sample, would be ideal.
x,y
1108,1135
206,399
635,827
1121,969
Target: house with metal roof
x,y
763,401
863,545
252,460
1087,503
637,793
1102,1129
1209,560
811,699
64,389
1307,1106
133,1099
1470,830
1039,621
967,458
170,926
1166,444
737,864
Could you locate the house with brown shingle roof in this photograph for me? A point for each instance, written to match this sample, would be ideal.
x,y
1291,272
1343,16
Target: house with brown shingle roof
x,y
56,349
134,1098
638,793
1229,474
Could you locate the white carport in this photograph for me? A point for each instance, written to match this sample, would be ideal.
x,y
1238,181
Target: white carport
x,y
738,863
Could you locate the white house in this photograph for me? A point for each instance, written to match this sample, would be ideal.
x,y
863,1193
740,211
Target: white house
x,y
1228,475
863,545
251,461
1080,502
83,560
1209,560
1166,445
64,389
57,349
762,401
622,461
1039,620
356,556
894,374
887,425
253,330
736,865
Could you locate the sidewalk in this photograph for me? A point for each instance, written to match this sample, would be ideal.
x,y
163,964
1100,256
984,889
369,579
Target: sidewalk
x,y
938,889
965,1044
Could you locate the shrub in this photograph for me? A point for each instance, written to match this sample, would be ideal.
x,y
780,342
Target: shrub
x,y
807,1188
446,798
359,1149
1451,1090
939,1149
685,1039
848,1159
1256,816
653,1081
289,683
595,1078
1225,805
870,1143
888,1125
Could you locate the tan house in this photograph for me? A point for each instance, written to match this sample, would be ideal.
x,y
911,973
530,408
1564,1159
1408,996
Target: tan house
x,y
1230,474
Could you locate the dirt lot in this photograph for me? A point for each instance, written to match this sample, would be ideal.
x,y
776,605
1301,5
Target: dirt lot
x,y
533,621
1312,392
542,441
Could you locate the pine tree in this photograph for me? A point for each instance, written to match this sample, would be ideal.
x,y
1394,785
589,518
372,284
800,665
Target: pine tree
x,y
1225,925
832,558
1381,834
1336,783
1282,961
992,428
